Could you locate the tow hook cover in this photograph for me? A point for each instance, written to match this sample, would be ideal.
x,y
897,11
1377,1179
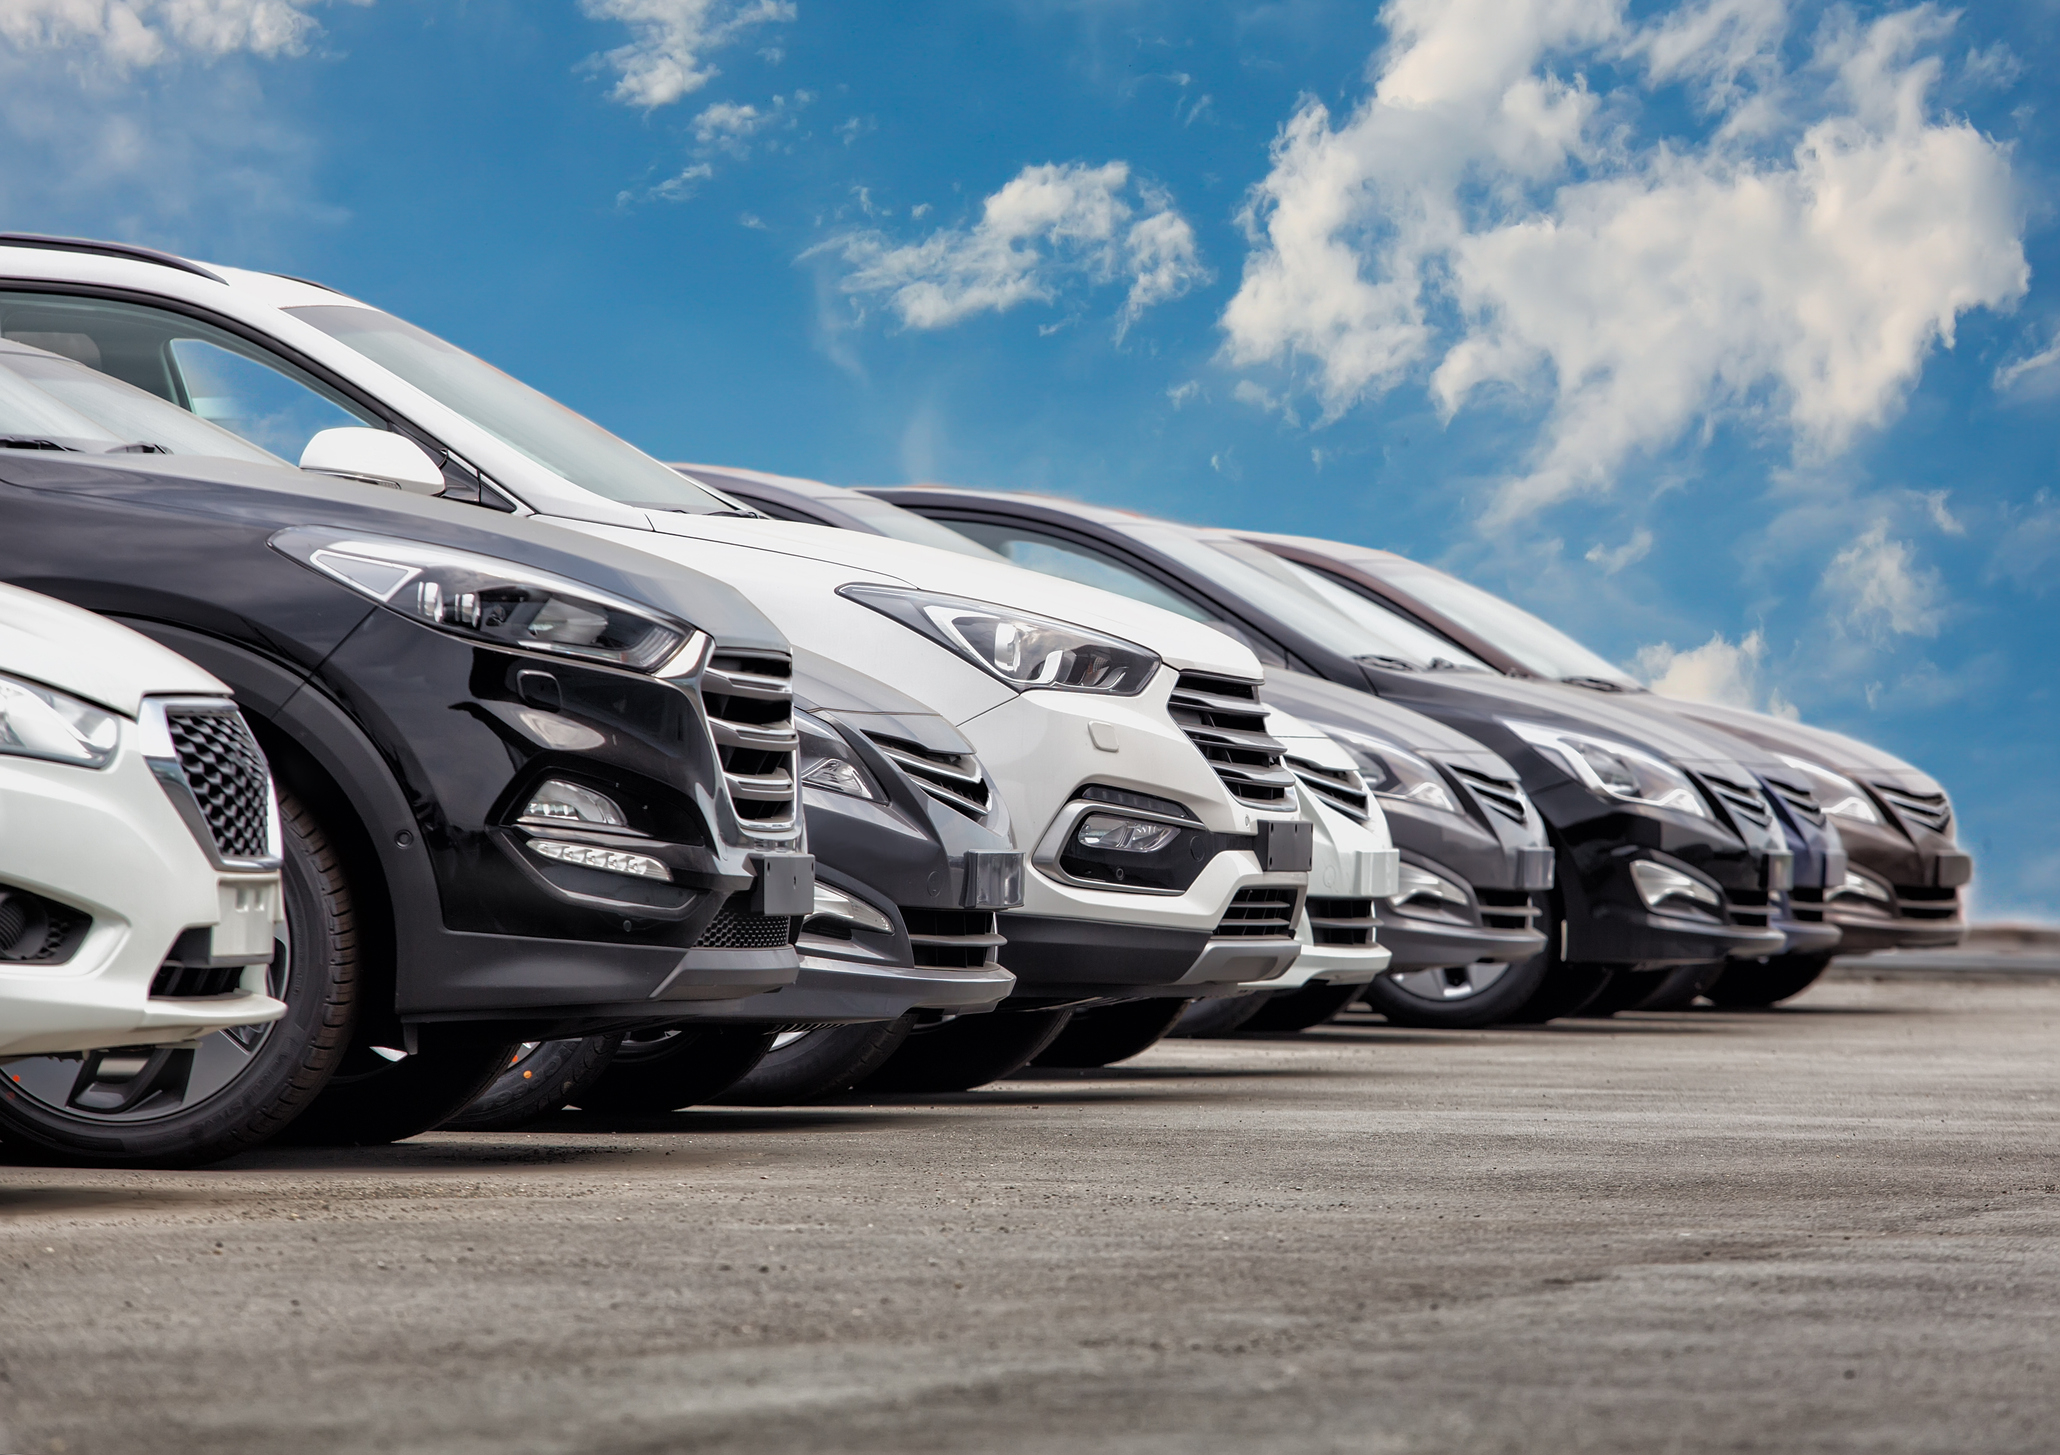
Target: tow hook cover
x,y
1952,868
1287,847
786,884
993,879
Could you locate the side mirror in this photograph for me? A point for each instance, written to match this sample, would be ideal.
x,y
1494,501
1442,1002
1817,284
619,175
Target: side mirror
x,y
377,456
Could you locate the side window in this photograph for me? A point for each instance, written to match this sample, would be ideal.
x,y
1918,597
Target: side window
x,y
1056,556
222,378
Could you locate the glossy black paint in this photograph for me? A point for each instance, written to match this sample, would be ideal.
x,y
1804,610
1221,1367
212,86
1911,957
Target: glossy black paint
x,y
419,738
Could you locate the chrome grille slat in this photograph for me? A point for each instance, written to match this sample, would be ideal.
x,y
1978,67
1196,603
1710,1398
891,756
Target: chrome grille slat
x,y
1341,788
1502,795
1927,810
748,699
953,779
1225,720
1741,799
951,939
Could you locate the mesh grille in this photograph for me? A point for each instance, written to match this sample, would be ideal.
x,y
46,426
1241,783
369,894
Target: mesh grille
x,y
1265,912
1341,788
953,779
951,939
1927,810
1223,718
226,771
750,706
1334,921
736,929
1499,795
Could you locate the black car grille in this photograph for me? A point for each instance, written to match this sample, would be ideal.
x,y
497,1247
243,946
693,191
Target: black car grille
x,y
1334,921
226,771
1922,902
174,981
1501,795
1926,810
1740,800
738,929
1806,903
1260,912
1341,788
38,931
1506,909
1798,797
951,939
1750,908
953,779
1223,718
750,706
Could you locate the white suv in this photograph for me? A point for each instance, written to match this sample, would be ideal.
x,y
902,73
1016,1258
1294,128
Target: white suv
x,y
1082,704
139,868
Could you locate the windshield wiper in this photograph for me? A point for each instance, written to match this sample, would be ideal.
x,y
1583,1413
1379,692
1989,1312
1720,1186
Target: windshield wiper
x,y
1597,684
1446,664
139,447
1392,664
687,510
29,442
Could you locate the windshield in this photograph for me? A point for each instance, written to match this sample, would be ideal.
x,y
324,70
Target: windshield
x,y
1318,608
533,424
47,402
1536,645
905,525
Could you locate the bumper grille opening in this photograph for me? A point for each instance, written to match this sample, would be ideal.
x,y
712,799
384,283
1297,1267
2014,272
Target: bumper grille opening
x,y
750,705
1806,903
1335,921
1506,909
1500,795
1223,717
38,931
1926,810
1918,901
174,981
951,939
1260,912
226,771
737,929
953,779
1750,908
1341,788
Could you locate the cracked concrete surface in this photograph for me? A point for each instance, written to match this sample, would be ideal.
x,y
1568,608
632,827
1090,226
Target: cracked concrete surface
x,y
1829,1228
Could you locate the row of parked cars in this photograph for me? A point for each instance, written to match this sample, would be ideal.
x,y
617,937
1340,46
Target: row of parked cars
x,y
475,763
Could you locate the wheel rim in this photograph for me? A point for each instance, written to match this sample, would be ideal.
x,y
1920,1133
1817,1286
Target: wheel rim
x,y
1462,982
126,1085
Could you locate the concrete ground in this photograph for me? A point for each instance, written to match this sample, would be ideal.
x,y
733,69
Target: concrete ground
x,y
1826,1228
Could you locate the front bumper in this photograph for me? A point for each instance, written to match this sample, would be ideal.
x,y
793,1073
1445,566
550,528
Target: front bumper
x,y
839,992
1071,962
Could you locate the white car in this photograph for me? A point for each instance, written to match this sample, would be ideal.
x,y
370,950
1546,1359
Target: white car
x,y
139,867
1083,705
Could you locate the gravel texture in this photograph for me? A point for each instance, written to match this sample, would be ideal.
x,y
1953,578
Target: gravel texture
x,y
1831,1227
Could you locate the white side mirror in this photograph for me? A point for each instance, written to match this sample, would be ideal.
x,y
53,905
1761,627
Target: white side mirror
x,y
376,455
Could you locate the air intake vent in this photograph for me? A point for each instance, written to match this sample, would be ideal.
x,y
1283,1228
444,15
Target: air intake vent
x,y
953,779
1926,810
38,931
1224,718
1341,921
1341,788
951,939
750,706
1740,800
1750,908
1260,912
1498,795
1506,909
227,774
737,929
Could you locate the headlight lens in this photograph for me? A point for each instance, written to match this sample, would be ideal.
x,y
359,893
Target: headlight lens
x,y
1123,835
38,722
1022,649
1614,768
556,801
825,762
1837,794
1392,772
491,600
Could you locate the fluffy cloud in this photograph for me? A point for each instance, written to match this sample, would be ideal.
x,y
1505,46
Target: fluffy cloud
x,y
1481,218
670,41
1717,671
1876,589
1050,224
132,33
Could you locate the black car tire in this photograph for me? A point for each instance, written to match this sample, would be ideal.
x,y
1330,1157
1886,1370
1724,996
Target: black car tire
x,y
1566,988
1208,1019
285,1071
1757,984
1500,1002
824,1062
1110,1033
1679,987
966,1052
373,1100
1627,990
660,1071
1288,1011
542,1077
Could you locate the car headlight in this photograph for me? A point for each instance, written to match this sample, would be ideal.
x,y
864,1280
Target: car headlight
x,y
826,760
40,722
1836,794
491,600
1022,649
1615,769
1392,772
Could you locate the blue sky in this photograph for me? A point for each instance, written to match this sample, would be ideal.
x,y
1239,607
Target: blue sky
x,y
1723,334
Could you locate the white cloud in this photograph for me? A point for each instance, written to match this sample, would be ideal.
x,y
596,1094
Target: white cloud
x,y
1613,559
670,41
1717,671
2035,375
1483,218
125,34
1180,393
1049,225
1875,588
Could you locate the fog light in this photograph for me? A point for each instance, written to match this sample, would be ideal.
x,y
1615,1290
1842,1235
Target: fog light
x,y
1657,883
591,856
1412,882
835,904
562,802
1123,835
1859,886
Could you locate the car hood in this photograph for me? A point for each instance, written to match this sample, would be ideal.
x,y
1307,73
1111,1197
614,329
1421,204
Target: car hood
x,y
1181,643
1319,700
1828,749
88,656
